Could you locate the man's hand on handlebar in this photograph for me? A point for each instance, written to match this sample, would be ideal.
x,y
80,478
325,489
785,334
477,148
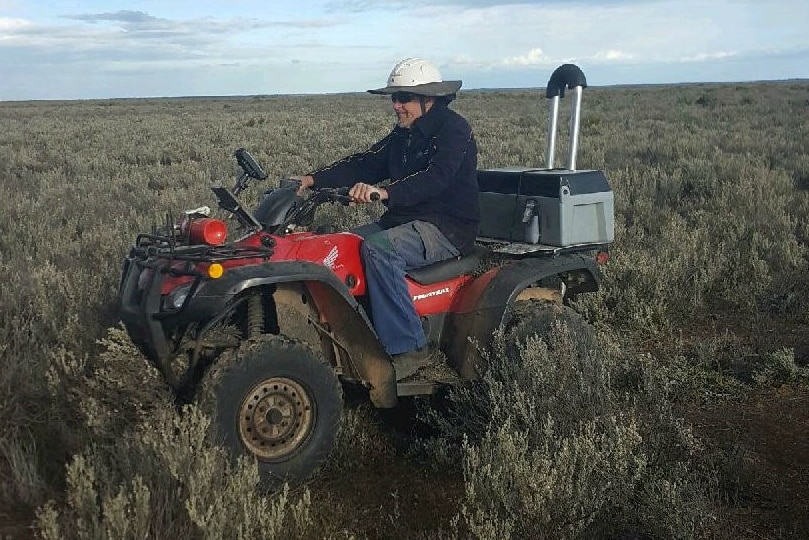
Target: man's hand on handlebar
x,y
360,193
365,193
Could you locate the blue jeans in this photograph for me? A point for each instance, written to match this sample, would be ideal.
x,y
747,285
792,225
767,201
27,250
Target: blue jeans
x,y
388,254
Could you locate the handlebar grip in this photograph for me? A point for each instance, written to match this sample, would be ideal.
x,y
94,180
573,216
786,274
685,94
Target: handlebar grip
x,y
289,183
249,165
375,196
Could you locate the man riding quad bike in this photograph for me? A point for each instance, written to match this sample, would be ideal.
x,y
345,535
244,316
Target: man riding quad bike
x,y
427,169
266,323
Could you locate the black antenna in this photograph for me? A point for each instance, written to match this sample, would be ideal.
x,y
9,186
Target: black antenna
x,y
171,232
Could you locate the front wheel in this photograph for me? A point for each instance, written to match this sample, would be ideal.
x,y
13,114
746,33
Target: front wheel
x,y
275,400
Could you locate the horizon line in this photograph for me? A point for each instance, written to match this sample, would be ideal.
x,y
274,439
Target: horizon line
x,y
360,92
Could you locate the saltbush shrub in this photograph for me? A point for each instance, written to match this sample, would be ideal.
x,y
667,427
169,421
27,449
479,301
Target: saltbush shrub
x,y
151,470
560,444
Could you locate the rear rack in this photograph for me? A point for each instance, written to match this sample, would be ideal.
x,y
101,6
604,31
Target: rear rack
x,y
518,248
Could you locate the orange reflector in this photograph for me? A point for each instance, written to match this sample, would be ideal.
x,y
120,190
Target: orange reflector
x,y
215,271
602,257
207,231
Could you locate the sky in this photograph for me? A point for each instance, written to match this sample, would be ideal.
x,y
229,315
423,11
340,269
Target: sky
x,y
89,49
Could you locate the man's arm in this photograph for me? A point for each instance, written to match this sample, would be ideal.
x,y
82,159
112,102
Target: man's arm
x,y
370,166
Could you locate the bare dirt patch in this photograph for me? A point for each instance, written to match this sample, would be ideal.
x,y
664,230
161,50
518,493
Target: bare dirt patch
x,y
765,438
759,437
393,499
16,524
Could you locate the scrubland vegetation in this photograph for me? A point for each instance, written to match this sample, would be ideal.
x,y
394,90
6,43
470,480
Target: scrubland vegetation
x,y
703,316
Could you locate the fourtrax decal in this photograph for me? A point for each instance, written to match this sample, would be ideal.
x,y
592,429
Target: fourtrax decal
x,y
430,294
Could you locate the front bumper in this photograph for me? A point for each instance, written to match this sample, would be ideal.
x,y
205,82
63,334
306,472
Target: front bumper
x,y
151,327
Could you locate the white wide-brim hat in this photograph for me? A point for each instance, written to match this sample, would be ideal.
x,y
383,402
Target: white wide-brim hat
x,y
418,76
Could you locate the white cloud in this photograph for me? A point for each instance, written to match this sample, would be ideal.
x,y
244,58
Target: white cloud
x,y
612,56
706,56
534,57
12,25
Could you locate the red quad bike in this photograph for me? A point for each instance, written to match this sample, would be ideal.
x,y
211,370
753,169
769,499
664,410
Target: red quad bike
x,y
265,324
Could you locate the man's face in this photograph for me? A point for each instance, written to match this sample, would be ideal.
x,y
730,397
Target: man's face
x,y
408,107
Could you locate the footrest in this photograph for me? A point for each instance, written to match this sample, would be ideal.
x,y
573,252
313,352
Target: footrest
x,y
428,380
417,388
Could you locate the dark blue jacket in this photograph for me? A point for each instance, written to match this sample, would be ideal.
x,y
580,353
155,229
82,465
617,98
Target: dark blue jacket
x,y
432,168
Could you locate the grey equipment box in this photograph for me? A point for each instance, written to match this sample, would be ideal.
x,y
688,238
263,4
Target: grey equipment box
x,y
555,207
550,206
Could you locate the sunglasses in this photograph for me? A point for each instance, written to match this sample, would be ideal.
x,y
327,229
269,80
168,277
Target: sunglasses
x,y
403,97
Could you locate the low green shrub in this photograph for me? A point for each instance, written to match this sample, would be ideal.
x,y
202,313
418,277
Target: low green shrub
x,y
779,367
149,469
560,444
164,479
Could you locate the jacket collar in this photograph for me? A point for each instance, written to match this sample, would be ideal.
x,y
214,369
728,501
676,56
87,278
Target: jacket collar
x,y
428,124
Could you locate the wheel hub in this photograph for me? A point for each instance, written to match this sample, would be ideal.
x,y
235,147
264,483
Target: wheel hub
x,y
275,418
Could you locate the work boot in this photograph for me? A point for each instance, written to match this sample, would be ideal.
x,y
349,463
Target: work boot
x,y
406,364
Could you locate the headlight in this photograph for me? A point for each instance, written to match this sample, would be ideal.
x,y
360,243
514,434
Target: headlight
x,y
176,298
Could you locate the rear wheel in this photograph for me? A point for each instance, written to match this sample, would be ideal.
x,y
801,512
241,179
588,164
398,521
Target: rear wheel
x,y
277,401
538,318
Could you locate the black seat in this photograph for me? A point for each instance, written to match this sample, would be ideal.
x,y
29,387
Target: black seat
x,y
450,268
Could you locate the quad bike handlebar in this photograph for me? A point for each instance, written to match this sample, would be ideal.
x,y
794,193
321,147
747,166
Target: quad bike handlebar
x,y
302,212
291,209
281,207
337,195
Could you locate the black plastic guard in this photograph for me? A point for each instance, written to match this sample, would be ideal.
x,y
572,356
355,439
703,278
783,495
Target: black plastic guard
x,y
473,328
